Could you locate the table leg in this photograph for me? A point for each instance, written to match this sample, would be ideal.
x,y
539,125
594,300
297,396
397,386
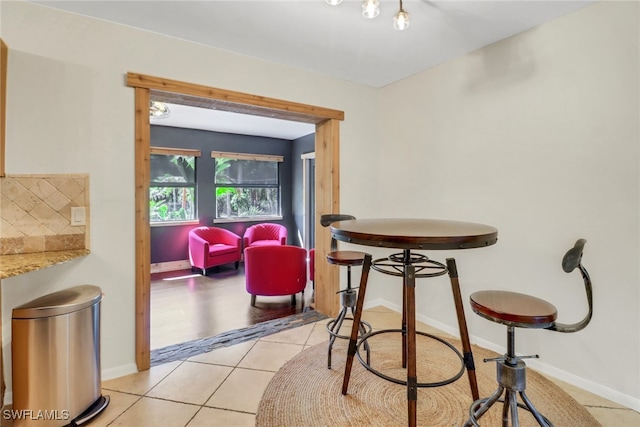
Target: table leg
x,y
406,261
404,322
412,376
353,339
462,325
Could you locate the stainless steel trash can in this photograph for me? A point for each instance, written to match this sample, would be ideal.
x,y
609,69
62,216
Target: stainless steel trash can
x,y
55,351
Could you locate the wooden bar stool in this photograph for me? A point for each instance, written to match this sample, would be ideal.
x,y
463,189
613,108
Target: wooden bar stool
x,y
348,296
516,310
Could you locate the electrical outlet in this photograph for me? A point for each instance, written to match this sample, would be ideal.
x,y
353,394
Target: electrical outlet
x,y
78,216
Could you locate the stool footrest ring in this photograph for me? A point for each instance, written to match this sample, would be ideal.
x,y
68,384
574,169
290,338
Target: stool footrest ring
x,y
331,323
404,382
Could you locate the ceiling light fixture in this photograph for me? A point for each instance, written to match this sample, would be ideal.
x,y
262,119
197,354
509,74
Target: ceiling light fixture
x,y
401,19
158,110
371,9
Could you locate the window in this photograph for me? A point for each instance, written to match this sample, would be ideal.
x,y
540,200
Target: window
x,y
172,191
247,186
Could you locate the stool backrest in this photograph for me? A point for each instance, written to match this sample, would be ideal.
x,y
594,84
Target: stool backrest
x,y
572,260
328,219
573,257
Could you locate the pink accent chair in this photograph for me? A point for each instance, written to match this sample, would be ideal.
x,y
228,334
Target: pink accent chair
x,y
312,272
312,266
267,234
275,270
213,246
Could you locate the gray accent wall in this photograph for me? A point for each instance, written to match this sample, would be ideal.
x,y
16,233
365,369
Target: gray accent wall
x,y
170,243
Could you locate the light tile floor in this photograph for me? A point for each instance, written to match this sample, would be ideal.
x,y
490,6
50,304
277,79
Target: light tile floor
x,y
212,389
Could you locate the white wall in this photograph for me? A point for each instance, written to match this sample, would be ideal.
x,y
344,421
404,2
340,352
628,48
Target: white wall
x,y
536,135
69,110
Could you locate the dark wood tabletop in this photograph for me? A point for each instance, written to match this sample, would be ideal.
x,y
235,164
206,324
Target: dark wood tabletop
x,y
414,233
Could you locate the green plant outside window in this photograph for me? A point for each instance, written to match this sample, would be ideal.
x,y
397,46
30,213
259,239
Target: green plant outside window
x,y
172,191
246,188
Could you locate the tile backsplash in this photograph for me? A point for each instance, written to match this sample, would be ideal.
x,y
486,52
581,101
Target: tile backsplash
x,y
35,213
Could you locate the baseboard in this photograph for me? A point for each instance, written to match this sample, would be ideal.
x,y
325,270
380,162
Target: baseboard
x,y
569,378
161,267
585,384
107,374
377,303
119,371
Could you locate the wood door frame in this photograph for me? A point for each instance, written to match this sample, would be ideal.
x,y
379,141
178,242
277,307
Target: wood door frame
x,y
327,189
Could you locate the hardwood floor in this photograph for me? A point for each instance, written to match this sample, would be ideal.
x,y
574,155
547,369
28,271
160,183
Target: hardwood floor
x,y
186,306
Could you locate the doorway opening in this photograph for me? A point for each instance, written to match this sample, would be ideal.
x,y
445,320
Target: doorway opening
x,y
327,172
309,196
190,312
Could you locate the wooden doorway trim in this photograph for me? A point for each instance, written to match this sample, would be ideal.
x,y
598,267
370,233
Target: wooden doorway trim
x,y
327,189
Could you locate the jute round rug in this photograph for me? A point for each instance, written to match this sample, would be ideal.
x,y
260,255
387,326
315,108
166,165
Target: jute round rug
x,y
305,393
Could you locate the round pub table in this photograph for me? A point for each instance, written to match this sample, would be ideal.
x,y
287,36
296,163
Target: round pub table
x,y
410,234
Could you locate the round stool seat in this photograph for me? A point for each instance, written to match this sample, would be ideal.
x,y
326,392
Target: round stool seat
x,y
514,309
346,257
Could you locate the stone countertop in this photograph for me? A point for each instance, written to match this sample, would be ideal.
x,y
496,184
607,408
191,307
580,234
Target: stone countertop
x,y
13,265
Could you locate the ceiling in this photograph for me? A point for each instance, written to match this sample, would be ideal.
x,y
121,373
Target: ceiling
x,y
335,41
183,116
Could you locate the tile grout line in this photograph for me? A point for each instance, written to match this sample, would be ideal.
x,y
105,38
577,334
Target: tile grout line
x,y
140,396
204,405
192,348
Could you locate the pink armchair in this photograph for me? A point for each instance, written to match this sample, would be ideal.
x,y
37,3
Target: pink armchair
x,y
213,246
275,270
267,234
312,266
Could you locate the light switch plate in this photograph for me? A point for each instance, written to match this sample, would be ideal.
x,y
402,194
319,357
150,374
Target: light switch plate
x,y
78,216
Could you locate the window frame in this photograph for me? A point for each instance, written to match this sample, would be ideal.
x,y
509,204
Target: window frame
x,y
279,159
166,151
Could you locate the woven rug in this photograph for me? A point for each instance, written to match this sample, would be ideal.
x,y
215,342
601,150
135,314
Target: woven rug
x,y
305,393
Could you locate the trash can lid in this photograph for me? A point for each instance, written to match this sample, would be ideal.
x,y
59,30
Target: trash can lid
x,y
61,302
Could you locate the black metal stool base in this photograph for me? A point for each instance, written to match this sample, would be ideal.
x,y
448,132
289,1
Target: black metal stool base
x,y
348,298
511,382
